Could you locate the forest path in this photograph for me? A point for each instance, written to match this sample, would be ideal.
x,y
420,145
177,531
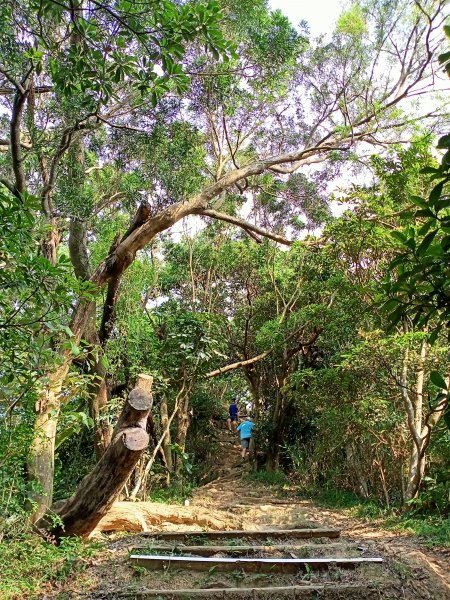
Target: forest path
x,y
250,505
233,501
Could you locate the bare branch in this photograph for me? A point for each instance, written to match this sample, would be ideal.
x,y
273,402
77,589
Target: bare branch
x,y
6,143
18,86
239,364
42,89
249,227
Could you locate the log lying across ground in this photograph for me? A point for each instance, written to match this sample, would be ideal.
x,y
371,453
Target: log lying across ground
x,y
147,516
97,492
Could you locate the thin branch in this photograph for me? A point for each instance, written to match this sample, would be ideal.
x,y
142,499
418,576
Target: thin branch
x,y
18,86
7,143
238,364
42,89
248,227
8,185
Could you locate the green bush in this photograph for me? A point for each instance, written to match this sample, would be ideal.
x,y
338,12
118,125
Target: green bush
x,y
27,562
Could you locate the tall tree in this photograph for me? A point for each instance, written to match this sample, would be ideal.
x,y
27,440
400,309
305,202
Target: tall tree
x,y
342,93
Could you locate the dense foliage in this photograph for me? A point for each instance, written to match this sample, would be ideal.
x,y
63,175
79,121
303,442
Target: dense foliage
x,y
203,192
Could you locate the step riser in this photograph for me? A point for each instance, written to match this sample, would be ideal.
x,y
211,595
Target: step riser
x,y
245,550
262,565
266,534
273,593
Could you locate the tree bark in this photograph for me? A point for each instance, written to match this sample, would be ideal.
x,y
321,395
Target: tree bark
x,y
98,401
41,458
151,428
98,392
167,441
97,492
183,422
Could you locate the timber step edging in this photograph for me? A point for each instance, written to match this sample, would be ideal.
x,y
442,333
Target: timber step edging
x,y
177,549
304,592
304,533
251,565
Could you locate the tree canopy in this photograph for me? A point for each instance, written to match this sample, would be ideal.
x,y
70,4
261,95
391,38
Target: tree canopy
x,y
315,173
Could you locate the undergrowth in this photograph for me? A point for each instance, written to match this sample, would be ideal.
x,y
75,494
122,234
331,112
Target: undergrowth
x,y
27,563
276,478
174,494
432,529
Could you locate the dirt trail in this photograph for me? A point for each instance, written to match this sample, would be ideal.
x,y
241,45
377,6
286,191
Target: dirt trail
x,y
233,502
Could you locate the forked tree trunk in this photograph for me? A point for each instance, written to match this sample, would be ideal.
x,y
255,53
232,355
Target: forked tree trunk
x,y
416,472
97,492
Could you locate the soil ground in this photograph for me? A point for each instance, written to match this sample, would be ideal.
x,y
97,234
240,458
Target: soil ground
x,y
232,502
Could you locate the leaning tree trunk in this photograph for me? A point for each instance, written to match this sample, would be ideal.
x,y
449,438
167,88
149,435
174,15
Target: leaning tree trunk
x,y
97,492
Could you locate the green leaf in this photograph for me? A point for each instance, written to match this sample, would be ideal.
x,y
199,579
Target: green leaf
x,y
444,141
425,243
424,212
436,192
419,201
399,236
434,335
425,227
390,304
437,379
442,203
445,242
395,316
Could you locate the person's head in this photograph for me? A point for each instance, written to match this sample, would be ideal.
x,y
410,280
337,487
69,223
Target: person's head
x,y
249,418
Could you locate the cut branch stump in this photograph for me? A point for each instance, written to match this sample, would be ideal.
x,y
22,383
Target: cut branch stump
x,y
97,492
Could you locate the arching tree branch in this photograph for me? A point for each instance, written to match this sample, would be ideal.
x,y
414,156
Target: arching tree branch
x,y
249,227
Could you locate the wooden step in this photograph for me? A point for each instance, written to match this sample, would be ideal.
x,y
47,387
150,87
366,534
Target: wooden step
x,y
304,592
313,532
238,550
251,565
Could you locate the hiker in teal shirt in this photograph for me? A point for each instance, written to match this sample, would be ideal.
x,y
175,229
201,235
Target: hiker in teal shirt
x,y
245,430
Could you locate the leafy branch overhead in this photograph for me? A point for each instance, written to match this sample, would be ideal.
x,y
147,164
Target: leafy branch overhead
x,y
161,163
420,282
90,47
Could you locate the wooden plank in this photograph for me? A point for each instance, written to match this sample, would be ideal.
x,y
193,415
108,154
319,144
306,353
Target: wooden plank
x,y
236,550
253,565
312,592
305,533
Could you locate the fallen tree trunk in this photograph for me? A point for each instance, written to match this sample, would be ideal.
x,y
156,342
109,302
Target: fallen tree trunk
x,y
97,492
148,516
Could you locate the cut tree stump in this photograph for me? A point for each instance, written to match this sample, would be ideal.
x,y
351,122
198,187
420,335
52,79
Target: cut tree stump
x,y
100,488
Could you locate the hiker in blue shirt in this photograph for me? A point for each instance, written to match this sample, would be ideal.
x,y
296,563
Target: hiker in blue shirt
x,y
233,416
245,429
